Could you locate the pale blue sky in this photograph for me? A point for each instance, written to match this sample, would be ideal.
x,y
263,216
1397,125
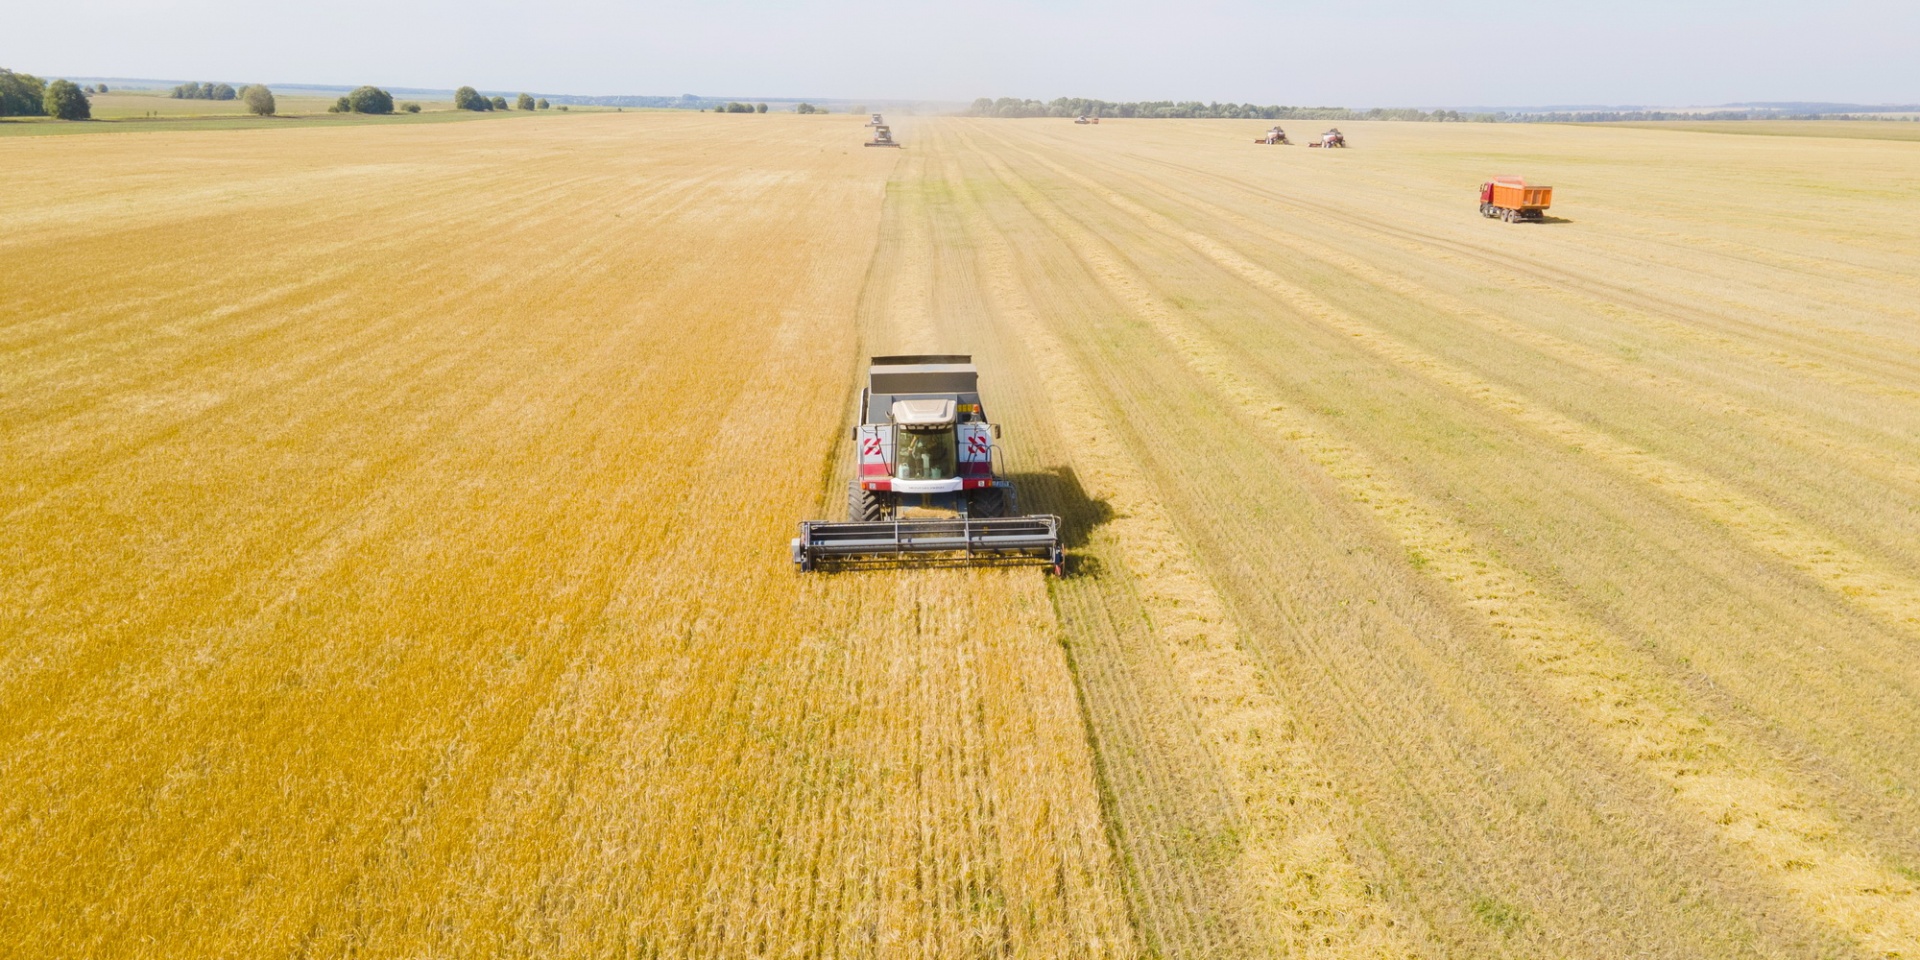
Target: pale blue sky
x,y
1363,53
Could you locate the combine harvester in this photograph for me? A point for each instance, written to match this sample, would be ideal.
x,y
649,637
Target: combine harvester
x,y
926,485
1274,136
1332,138
876,121
882,136
1510,199
1086,119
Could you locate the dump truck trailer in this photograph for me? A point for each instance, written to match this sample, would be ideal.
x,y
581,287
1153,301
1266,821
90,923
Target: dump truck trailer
x,y
1512,199
927,483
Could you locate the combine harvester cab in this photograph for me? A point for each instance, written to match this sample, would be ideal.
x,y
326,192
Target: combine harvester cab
x,y
926,484
1512,200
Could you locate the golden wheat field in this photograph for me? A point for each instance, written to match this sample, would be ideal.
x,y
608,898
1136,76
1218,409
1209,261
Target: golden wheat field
x,y
394,558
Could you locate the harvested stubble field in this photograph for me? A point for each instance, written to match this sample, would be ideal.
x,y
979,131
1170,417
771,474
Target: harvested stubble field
x,y
394,557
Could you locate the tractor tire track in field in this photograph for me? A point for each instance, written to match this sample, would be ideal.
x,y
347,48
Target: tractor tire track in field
x,y
1798,659
1436,779
1795,848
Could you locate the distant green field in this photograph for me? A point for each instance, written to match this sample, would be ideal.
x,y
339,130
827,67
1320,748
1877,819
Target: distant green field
x,y
39,126
141,105
1843,129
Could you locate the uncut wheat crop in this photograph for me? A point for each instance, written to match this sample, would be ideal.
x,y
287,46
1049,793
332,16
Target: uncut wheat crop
x,y
394,559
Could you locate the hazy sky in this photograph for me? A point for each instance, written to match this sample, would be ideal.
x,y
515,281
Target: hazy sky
x,y
1361,53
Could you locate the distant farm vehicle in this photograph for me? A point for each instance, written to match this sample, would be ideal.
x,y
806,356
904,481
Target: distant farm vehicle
x,y
876,121
1332,138
1087,119
1274,136
882,136
926,484
1512,200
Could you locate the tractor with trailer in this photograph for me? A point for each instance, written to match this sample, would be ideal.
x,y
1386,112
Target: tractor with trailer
x,y
1513,200
927,484
1274,136
882,136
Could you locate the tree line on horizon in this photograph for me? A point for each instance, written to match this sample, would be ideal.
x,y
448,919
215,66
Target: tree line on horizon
x,y
1193,109
25,95
195,90
467,98
1196,110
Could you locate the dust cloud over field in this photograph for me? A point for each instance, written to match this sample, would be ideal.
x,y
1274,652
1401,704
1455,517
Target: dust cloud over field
x,y
394,558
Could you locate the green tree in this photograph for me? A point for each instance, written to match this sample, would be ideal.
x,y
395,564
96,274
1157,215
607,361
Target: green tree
x,y
342,105
259,100
759,108
543,104
467,98
370,100
66,101
22,94
563,108
220,91
525,102
410,107
499,103
805,107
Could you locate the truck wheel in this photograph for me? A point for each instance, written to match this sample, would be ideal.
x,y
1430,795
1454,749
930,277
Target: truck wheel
x,y
988,502
868,505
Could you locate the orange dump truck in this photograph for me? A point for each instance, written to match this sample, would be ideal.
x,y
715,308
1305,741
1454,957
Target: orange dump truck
x,y
1511,199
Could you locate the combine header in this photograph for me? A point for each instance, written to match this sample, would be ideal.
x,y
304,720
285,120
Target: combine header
x,y
1274,136
1510,199
882,136
927,487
